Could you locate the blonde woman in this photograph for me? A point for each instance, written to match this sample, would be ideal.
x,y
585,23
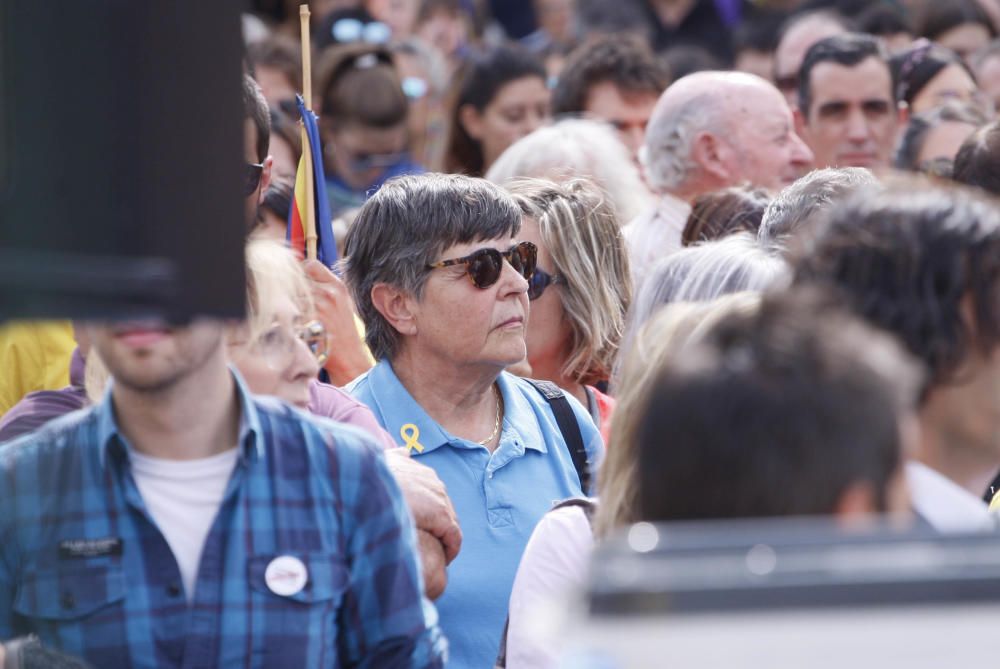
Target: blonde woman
x,y
555,560
580,290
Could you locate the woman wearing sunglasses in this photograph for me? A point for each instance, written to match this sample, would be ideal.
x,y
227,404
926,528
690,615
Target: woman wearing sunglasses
x,y
580,291
440,275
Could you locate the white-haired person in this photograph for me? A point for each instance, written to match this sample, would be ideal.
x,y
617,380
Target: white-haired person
x,y
701,273
573,148
580,290
710,130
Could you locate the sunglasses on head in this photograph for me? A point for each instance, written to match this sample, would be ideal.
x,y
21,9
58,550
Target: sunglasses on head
x,y
251,178
540,281
485,265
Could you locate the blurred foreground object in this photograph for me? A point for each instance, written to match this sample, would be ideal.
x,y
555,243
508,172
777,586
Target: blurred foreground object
x,y
120,160
789,593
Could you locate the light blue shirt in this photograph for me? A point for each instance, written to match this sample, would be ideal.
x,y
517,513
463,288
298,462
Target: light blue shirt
x,y
499,496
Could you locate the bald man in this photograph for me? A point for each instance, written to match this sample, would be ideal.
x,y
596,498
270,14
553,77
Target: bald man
x,y
710,130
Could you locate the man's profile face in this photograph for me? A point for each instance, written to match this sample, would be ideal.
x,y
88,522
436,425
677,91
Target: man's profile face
x,y
150,356
628,112
852,120
766,150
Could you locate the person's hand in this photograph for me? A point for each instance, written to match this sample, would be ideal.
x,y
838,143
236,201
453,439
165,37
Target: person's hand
x,y
335,309
433,563
428,500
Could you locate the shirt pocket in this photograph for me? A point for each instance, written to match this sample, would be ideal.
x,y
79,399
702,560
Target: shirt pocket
x,y
66,604
303,626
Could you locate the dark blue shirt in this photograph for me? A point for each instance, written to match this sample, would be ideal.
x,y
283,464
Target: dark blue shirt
x,y
84,566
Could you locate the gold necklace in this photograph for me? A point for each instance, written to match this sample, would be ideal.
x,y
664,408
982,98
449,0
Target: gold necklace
x,y
496,423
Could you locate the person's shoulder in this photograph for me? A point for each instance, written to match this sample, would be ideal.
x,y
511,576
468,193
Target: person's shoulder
x,y
59,437
290,426
538,393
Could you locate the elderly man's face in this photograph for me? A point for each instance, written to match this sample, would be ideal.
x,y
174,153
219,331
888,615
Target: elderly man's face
x,y
852,120
765,150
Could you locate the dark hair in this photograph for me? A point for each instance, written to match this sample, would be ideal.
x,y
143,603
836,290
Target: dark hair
x,y
977,163
908,258
920,125
358,84
938,17
622,59
405,226
773,413
255,109
483,77
684,59
287,129
883,20
279,52
277,199
848,50
758,31
915,67
723,212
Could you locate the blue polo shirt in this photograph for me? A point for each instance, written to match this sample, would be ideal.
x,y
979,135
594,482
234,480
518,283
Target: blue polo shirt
x,y
499,496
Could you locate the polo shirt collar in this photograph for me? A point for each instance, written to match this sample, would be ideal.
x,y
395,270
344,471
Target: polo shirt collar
x,y
109,435
406,420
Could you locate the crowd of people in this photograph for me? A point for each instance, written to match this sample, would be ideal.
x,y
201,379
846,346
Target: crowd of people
x,y
601,263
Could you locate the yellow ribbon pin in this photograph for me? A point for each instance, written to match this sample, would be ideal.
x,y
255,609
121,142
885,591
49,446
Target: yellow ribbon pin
x,y
410,433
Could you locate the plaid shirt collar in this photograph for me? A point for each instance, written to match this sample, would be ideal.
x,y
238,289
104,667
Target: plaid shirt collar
x,y
111,439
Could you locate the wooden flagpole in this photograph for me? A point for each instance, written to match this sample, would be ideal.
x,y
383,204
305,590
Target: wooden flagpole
x,y
309,221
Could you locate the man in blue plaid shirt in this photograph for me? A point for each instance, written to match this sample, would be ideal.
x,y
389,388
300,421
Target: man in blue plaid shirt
x,y
184,523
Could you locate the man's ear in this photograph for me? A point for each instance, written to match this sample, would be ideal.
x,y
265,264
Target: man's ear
x,y
710,154
857,500
472,121
265,178
397,307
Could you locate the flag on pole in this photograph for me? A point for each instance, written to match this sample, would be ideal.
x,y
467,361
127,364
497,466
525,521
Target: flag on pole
x,y
326,247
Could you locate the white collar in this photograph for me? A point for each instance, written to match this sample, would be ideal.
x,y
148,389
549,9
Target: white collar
x,y
947,506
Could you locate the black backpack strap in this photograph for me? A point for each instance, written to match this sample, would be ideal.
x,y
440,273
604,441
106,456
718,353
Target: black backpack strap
x,y
589,508
566,420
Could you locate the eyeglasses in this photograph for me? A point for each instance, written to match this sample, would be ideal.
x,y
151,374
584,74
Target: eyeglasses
x,y
348,30
485,265
540,281
251,178
276,345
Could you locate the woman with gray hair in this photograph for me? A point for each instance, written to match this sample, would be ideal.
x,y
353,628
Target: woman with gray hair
x,y
702,273
441,282
574,148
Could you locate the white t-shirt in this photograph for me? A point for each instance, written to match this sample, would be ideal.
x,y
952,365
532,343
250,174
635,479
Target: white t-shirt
x,y
183,497
553,567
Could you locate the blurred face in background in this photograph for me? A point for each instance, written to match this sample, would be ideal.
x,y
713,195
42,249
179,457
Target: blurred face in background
x,y
361,154
628,112
399,15
518,108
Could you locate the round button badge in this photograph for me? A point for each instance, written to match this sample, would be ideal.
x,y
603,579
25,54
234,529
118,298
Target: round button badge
x,y
286,575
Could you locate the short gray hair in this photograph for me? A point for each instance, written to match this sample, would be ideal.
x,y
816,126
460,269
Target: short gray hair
x,y
703,272
801,202
666,151
574,148
405,226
